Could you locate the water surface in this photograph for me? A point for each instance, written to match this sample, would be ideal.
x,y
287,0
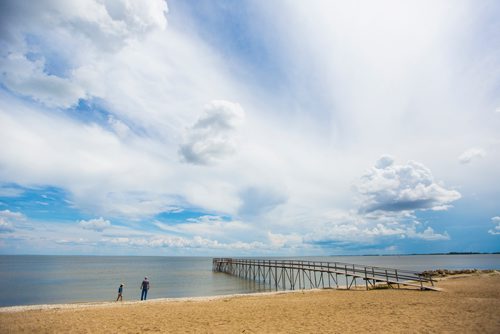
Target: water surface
x,y
27,279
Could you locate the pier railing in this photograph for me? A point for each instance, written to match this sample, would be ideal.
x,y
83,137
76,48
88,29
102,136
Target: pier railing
x,y
299,274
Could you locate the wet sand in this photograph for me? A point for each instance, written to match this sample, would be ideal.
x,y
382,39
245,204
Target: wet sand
x,y
466,304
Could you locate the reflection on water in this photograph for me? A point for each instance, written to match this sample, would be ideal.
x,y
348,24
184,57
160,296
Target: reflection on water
x,y
61,279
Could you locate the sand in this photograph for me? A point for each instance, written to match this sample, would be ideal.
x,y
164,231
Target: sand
x,y
466,304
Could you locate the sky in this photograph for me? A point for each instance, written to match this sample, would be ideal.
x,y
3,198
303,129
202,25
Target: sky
x,y
249,128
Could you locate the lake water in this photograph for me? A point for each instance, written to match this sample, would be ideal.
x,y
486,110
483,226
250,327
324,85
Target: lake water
x,y
27,280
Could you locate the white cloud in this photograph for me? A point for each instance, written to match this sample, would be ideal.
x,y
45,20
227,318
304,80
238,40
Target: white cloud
x,y
7,214
69,34
28,78
212,137
471,154
9,220
496,229
137,15
384,162
181,242
428,234
393,188
293,240
76,242
102,23
70,237
354,229
96,224
5,226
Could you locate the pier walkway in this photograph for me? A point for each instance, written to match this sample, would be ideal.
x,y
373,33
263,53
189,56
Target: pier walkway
x,y
298,274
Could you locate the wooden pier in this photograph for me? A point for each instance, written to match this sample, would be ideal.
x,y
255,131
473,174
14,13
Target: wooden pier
x,y
298,274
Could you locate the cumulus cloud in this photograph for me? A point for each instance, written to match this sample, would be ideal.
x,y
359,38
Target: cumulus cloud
x,y
428,234
7,214
384,161
212,137
97,224
496,229
471,154
102,23
8,219
44,51
394,188
27,78
389,195
5,226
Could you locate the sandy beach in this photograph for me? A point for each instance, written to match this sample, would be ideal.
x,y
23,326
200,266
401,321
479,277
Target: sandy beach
x,y
466,304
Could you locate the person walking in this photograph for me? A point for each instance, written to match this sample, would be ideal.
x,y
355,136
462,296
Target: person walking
x,y
144,288
120,291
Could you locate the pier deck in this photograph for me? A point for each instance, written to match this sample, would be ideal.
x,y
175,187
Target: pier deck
x,y
298,274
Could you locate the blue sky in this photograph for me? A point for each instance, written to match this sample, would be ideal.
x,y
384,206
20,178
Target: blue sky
x,y
249,128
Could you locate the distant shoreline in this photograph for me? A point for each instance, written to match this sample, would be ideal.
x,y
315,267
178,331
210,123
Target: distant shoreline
x,y
419,254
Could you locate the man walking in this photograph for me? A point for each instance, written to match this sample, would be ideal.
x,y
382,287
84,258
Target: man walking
x,y
144,288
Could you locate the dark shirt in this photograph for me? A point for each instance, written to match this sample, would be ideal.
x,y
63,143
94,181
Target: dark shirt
x,y
145,285
120,289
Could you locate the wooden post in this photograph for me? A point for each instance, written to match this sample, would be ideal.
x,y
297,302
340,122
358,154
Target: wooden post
x,y
397,278
304,276
354,272
328,271
275,276
315,278
373,273
298,274
346,280
366,279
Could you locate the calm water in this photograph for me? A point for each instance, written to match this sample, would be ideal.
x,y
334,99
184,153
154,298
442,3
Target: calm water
x,y
26,280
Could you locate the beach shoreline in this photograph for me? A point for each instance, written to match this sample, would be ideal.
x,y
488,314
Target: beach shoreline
x,y
86,304
467,303
83,305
